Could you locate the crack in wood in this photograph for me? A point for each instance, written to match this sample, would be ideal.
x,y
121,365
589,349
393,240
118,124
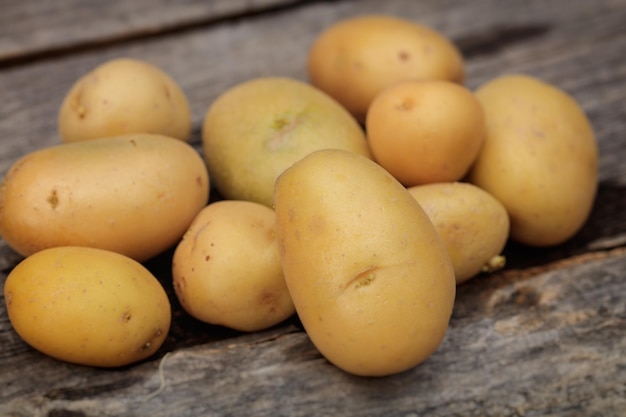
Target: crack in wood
x,y
496,38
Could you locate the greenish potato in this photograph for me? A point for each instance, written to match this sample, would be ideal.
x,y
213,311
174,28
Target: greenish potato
x,y
257,129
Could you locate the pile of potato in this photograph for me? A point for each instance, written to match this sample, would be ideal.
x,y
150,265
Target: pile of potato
x,y
358,200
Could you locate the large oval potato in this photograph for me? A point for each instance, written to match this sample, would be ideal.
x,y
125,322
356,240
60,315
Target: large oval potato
x,y
356,58
256,129
226,269
87,306
124,96
132,194
473,225
369,275
539,158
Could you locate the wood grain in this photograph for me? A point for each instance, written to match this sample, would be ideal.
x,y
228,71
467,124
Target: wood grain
x,y
543,337
518,344
29,30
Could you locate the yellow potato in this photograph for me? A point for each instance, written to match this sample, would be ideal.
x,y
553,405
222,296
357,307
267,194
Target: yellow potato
x,y
425,131
132,194
356,58
369,275
227,270
539,159
124,96
473,225
87,306
255,130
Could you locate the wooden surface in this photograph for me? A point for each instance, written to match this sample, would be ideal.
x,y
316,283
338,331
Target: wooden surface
x,y
544,337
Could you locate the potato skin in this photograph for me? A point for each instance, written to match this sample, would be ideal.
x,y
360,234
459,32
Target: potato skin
x,y
256,129
425,131
87,306
227,270
540,158
124,96
472,223
369,276
356,58
132,194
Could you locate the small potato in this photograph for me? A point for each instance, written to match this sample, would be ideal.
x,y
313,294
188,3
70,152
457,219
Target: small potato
x,y
539,159
87,306
124,96
355,59
256,129
426,131
474,225
227,268
369,275
132,194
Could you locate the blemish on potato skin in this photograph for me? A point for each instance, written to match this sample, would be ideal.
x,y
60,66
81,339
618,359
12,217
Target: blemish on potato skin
x,y
404,56
283,126
167,92
363,278
148,345
126,316
366,280
406,104
53,199
81,112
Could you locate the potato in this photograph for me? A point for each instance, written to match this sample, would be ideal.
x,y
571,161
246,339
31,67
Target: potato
x,y
474,225
87,306
425,131
132,194
540,158
227,270
124,96
368,274
255,130
356,58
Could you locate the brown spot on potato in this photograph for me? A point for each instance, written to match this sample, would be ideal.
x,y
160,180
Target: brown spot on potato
x,y
126,316
317,225
404,56
406,104
53,199
362,279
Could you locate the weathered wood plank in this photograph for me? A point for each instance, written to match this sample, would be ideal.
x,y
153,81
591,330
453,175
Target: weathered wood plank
x,y
519,343
33,28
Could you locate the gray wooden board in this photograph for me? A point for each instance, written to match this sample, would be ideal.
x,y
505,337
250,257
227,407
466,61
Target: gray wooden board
x,y
543,337
548,343
32,28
